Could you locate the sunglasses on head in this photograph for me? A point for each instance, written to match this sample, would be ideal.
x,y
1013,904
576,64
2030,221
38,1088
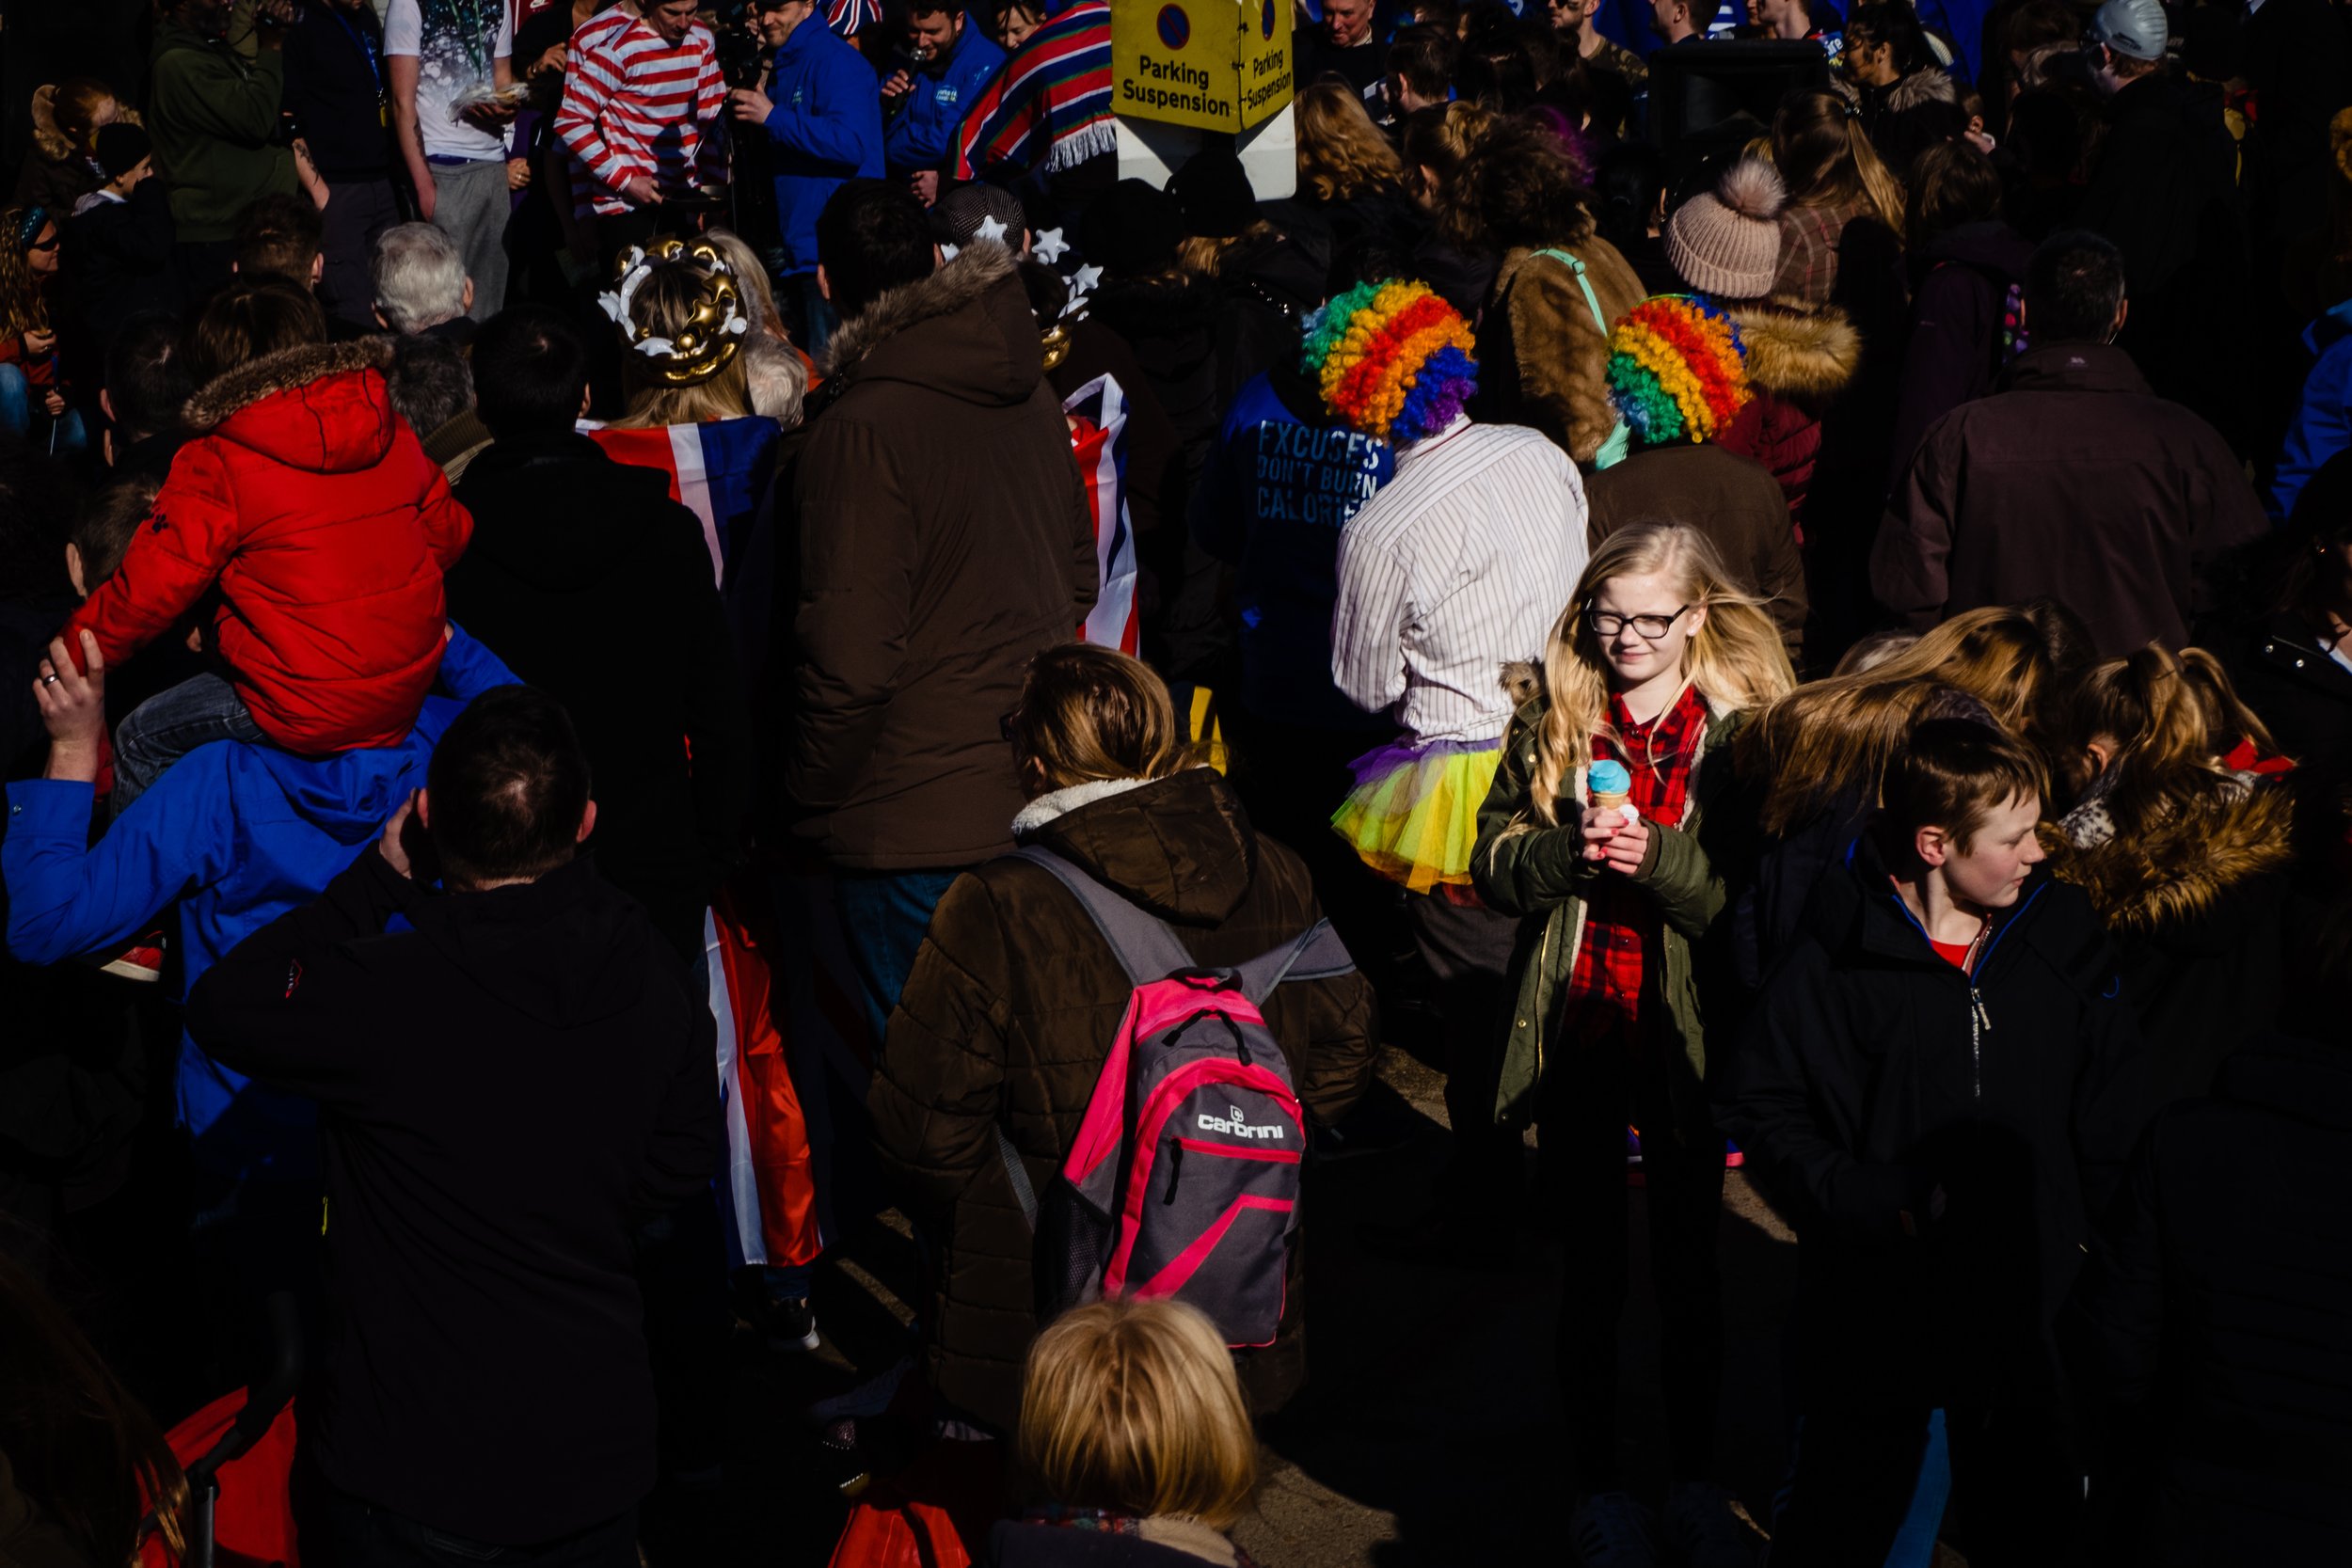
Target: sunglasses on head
x,y
28,228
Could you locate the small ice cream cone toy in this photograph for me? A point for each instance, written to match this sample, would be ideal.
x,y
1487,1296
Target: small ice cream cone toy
x,y
1611,786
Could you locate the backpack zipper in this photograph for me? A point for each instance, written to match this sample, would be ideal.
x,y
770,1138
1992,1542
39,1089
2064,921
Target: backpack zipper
x,y
1175,1167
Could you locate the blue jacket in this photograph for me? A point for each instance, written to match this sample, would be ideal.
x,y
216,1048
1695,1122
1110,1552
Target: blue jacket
x,y
824,129
239,834
1282,480
923,133
2322,426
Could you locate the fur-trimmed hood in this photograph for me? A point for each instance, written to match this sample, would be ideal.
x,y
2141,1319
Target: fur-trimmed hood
x,y
966,331
1930,84
2180,872
53,143
323,407
1806,356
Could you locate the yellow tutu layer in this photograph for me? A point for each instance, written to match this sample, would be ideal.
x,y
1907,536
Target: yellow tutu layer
x,y
1417,822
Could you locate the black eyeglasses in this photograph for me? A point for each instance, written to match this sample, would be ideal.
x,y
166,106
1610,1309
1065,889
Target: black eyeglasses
x,y
1651,627
49,243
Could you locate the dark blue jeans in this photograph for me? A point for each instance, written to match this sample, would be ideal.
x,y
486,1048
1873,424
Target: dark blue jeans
x,y
170,725
17,401
808,315
366,1536
883,916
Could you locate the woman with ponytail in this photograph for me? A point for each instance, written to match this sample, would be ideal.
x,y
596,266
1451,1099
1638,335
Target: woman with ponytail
x,y
1609,830
1841,246
1834,179
2181,836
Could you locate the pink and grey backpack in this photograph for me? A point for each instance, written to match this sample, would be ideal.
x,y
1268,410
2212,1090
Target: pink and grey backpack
x,y
1184,1178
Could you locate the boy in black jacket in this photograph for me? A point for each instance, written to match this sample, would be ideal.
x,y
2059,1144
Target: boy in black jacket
x,y
117,243
511,1083
1938,1088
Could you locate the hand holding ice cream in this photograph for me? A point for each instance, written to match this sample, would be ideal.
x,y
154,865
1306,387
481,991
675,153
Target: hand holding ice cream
x,y
1613,830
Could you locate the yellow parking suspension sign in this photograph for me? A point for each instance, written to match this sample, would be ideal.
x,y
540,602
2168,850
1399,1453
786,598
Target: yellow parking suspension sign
x,y
1215,65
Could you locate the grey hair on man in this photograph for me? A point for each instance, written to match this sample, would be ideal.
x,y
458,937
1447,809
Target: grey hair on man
x,y
419,279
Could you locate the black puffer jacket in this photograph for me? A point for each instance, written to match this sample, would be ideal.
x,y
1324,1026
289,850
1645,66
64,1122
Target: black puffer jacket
x,y
1874,1073
1009,1012
2219,1312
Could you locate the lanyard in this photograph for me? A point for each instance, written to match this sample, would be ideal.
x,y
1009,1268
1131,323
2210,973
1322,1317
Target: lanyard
x,y
366,46
470,18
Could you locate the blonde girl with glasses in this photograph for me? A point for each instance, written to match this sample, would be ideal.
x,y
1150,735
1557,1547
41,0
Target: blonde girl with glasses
x,y
1610,830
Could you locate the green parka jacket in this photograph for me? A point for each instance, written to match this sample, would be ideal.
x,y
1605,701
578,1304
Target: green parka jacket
x,y
1540,872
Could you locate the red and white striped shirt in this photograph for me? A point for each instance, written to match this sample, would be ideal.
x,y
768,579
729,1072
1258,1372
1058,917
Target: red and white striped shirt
x,y
634,104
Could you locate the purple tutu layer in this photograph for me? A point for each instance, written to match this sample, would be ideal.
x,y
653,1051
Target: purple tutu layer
x,y
1381,761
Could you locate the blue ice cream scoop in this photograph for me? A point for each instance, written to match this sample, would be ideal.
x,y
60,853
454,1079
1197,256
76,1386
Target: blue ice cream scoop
x,y
1609,778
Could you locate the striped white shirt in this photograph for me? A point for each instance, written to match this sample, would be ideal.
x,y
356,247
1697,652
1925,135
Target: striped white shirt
x,y
633,105
1461,564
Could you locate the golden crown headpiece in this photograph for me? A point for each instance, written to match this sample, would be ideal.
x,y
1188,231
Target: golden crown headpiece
x,y
710,339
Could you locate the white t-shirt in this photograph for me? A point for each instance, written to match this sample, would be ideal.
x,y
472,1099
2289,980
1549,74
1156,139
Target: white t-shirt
x,y
454,43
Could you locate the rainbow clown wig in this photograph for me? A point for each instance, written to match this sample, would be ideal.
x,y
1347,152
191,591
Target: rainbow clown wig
x,y
1391,359
1678,370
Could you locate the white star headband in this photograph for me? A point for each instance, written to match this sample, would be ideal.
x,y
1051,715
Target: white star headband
x,y
711,338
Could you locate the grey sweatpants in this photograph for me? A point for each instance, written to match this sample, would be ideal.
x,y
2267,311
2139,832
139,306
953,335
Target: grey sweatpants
x,y
471,205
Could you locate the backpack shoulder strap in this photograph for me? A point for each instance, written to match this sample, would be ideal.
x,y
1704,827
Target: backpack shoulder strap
x,y
1576,266
1144,945
1317,955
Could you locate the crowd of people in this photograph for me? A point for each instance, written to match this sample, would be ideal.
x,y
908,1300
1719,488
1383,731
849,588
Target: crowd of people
x,y
635,635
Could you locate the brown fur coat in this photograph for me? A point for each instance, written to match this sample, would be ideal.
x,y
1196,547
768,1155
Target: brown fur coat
x,y
1543,359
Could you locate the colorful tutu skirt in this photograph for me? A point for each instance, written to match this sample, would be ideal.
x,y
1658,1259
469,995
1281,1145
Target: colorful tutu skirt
x,y
1413,814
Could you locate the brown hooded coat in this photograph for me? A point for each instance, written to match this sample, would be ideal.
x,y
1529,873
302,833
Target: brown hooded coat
x,y
1006,1017
944,540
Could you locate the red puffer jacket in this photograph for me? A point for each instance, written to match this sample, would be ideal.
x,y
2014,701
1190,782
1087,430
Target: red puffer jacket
x,y
326,528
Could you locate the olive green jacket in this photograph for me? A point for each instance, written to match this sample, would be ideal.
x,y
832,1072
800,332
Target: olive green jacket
x,y
1540,872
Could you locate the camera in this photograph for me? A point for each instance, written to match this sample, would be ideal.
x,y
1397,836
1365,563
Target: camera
x,y
741,56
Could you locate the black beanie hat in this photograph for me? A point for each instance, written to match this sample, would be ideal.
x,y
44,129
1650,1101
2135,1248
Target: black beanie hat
x,y
1212,190
1134,229
121,147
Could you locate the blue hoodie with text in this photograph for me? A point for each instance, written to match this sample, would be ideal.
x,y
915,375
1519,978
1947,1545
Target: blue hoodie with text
x,y
1282,479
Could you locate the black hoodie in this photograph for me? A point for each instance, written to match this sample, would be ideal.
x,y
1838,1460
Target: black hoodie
x,y
510,1087
2218,1309
1874,1072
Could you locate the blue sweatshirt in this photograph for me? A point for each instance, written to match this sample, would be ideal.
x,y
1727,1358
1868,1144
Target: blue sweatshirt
x,y
923,133
239,833
2322,425
824,129
1282,479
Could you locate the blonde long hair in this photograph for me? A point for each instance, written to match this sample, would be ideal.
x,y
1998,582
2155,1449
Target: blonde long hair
x,y
1341,152
1132,1406
665,305
1841,733
1735,659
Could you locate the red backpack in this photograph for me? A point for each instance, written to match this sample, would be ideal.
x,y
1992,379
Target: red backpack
x,y
1184,1178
